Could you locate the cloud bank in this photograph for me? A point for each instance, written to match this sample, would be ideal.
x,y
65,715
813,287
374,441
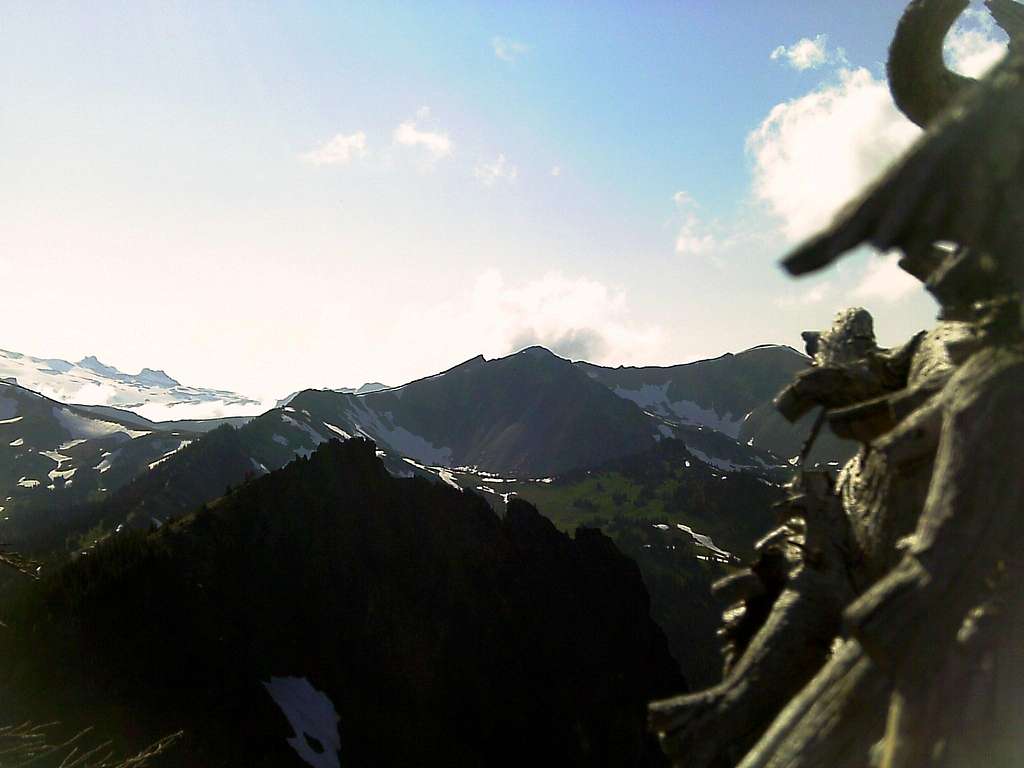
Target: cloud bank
x,y
813,153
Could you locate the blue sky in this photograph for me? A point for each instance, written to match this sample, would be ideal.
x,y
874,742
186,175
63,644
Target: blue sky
x,y
273,196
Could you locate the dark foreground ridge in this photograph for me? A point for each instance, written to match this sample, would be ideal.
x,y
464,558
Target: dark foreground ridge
x,y
440,633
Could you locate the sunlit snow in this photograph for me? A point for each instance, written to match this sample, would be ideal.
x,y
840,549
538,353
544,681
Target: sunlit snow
x,y
338,431
82,427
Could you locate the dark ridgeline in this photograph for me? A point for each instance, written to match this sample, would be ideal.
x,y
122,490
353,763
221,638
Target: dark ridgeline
x,y
442,634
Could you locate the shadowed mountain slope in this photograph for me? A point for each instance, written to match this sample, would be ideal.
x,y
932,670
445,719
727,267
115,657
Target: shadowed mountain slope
x,y
439,633
732,394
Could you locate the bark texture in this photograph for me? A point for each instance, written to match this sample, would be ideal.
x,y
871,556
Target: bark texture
x,y
882,623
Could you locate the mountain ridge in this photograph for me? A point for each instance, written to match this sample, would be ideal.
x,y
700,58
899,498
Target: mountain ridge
x,y
418,602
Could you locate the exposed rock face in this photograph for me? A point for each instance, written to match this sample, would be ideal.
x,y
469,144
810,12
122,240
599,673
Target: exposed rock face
x,y
440,633
881,624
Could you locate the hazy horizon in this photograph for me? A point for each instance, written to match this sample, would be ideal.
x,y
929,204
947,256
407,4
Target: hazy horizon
x,y
319,196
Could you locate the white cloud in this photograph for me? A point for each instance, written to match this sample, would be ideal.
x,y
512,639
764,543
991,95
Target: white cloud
x,y
574,316
694,237
805,53
338,151
812,154
435,143
507,49
883,279
500,170
556,170
974,44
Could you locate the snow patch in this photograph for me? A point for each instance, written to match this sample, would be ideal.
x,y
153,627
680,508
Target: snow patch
x,y
166,456
725,464
338,431
313,435
654,397
449,478
54,456
399,439
704,541
649,397
310,713
65,476
81,427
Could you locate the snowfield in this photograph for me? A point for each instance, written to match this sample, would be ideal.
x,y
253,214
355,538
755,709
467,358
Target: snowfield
x,y
651,397
309,712
151,394
90,429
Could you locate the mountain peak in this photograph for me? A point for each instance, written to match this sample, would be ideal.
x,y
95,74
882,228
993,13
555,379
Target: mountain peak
x,y
91,363
157,378
761,349
537,351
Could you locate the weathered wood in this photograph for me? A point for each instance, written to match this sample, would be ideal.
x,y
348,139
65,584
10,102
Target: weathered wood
x,y
923,544
972,512
832,722
786,650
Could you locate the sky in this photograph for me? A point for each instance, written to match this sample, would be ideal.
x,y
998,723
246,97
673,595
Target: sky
x,y
266,197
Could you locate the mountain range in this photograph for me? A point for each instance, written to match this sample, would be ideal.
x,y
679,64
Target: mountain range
x,y
581,441
528,415
150,393
679,467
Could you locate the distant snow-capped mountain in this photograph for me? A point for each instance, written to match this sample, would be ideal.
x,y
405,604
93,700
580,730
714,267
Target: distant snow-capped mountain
x,y
150,393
